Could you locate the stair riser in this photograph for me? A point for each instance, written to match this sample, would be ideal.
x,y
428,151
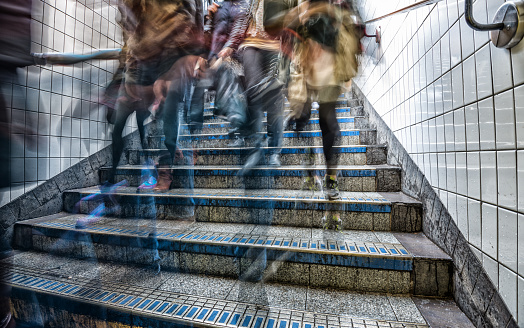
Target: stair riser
x,y
232,261
398,217
380,180
223,127
222,141
357,273
371,156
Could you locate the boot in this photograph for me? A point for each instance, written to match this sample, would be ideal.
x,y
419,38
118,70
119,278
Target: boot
x,y
164,180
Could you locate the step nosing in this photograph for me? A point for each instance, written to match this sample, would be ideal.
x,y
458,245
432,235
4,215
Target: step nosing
x,y
394,251
199,311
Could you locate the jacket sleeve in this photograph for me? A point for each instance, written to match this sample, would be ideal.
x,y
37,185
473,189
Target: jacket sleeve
x,y
240,25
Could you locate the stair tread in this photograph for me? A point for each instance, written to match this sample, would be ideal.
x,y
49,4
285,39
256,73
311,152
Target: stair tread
x,y
276,194
262,168
287,133
356,242
87,281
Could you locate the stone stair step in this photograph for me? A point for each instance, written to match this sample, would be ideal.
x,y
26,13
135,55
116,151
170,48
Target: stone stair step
x,y
290,138
357,210
222,126
340,110
351,178
298,256
96,293
349,155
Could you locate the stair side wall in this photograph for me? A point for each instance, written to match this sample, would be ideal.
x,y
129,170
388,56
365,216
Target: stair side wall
x,y
474,291
47,198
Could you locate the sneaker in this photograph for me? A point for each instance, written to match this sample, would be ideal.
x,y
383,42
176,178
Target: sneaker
x,y
332,188
164,180
274,160
148,184
93,217
237,142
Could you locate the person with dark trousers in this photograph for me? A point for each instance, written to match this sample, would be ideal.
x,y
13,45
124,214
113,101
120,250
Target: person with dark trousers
x,y
327,57
224,76
150,54
261,59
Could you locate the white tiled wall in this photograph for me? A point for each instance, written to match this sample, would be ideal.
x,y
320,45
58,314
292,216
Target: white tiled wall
x,y
456,103
60,103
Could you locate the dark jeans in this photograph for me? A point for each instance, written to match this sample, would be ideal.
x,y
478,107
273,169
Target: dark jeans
x,y
123,110
264,93
177,111
327,97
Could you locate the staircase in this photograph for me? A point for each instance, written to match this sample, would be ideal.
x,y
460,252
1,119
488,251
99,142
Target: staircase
x,y
251,252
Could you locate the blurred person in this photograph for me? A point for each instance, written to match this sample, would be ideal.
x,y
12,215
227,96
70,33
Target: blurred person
x,y
326,57
157,34
261,59
225,72
15,52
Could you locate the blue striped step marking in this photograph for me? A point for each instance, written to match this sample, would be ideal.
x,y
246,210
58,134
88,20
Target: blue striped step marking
x,y
284,150
286,134
183,309
279,199
226,124
262,171
301,250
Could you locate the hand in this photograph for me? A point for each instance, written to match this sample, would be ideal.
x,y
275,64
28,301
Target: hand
x,y
225,52
213,8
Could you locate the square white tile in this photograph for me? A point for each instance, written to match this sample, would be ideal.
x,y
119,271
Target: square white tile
x,y
473,174
488,176
508,288
507,179
505,120
487,124
489,231
508,238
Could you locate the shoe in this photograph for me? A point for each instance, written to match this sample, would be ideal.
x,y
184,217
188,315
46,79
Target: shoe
x,y
274,160
332,188
251,162
237,142
164,180
148,184
93,217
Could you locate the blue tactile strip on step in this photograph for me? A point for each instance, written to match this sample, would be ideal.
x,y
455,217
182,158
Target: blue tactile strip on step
x,y
302,250
284,150
350,201
264,172
305,134
184,309
311,121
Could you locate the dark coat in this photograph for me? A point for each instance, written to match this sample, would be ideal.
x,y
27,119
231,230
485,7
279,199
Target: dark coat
x,y
220,27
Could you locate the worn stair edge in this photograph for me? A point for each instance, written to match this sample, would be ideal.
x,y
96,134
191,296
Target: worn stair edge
x,y
148,295
363,178
303,138
358,211
289,155
316,261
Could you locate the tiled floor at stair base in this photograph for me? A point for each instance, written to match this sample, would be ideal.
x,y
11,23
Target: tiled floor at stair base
x,y
220,301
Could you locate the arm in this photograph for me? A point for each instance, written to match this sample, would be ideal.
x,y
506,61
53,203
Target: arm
x,y
240,26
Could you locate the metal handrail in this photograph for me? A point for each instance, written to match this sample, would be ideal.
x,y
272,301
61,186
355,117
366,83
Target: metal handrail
x,y
468,14
402,10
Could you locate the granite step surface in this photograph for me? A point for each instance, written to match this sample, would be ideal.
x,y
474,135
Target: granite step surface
x,y
298,155
222,126
357,210
350,177
290,138
360,260
58,289
340,109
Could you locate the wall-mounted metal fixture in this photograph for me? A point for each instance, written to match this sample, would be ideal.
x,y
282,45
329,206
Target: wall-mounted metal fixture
x,y
507,28
376,35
